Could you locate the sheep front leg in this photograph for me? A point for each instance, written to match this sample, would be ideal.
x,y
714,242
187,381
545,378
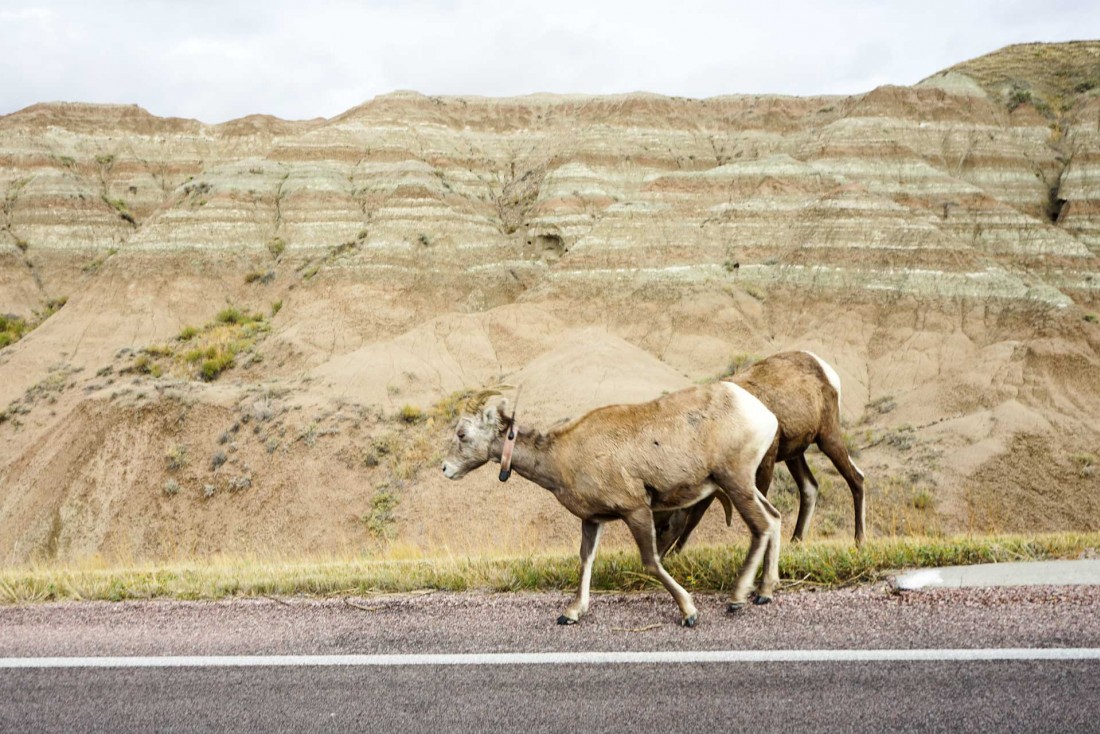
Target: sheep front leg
x,y
590,538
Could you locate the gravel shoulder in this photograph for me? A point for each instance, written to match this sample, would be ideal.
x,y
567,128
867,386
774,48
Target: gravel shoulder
x,y
863,617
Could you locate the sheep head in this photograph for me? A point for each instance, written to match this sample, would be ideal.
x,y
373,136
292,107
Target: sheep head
x,y
477,435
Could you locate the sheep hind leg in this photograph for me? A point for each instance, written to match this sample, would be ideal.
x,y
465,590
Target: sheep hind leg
x,y
807,494
763,521
640,522
590,539
833,447
676,526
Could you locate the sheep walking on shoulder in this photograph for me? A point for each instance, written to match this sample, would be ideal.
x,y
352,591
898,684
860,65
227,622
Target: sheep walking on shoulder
x,y
624,462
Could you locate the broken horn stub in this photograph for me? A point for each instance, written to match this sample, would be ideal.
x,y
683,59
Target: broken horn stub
x,y
477,400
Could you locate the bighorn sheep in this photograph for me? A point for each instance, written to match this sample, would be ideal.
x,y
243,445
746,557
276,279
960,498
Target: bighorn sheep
x,y
625,461
803,392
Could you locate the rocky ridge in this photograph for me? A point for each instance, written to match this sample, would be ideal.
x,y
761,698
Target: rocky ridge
x,y
937,243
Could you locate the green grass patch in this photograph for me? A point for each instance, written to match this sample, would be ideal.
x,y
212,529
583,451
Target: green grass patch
x,y
705,569
234,315
203,353
13,328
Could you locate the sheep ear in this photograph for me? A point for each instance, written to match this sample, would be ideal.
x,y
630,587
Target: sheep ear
x,y
497,415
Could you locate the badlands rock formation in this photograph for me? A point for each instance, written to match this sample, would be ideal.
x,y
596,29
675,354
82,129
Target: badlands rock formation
x,y
937,243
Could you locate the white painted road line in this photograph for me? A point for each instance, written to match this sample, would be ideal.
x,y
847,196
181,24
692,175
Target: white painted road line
x,y
562,658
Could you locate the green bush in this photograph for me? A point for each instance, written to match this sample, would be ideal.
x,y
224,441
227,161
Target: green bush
x,y
215,365
410,414
231,315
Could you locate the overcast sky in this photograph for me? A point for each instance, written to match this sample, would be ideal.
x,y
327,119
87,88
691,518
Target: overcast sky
x,y
215,61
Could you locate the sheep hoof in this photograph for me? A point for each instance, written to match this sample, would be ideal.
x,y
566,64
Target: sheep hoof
x,y
690,621
760,599
566,620
735,606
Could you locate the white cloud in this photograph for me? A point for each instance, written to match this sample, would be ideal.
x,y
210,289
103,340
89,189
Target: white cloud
x,y
215,61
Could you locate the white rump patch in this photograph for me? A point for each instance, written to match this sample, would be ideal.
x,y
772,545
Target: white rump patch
x,y
761,420
830,373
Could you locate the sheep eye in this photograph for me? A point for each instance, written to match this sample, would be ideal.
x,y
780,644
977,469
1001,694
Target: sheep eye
x,y
461,435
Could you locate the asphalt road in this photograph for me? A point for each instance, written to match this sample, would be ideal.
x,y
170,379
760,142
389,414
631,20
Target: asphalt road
x,y
906,695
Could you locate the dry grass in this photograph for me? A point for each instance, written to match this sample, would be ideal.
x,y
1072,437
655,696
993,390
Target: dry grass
x,y
823,563
1048,76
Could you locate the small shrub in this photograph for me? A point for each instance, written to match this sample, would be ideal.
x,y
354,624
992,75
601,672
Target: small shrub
x,y
276,246
176,457
217,460
263,278
12,329
1018,96
923,499
208,491
188,333
52,306
236,484
1085,462
308,436
379,521
385,445
1090,317
883,405
214,366
410,414
276,308
738,363
231,315
145,366
902,438
171,487
449,408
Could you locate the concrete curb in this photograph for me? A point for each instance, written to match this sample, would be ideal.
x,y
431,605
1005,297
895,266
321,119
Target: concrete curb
x,y
1032,573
